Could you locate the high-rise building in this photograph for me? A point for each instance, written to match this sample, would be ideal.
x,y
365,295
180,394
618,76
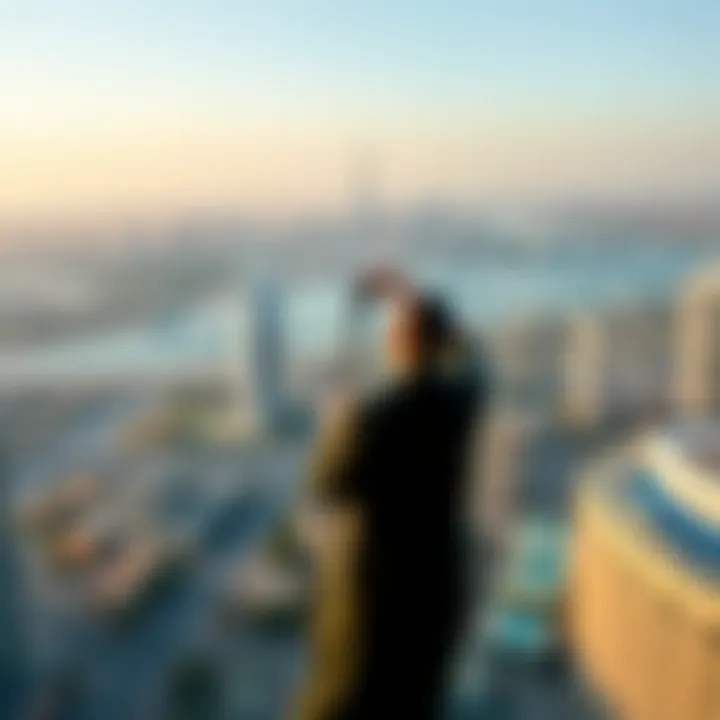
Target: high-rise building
x,y
498,465
697,366
266,356
644,598
616,365
585,358
530,355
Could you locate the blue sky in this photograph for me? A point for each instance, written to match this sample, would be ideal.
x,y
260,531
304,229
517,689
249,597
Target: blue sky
x,y
386,74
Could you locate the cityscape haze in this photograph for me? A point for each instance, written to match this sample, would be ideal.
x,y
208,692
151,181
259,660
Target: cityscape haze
x,y
189,193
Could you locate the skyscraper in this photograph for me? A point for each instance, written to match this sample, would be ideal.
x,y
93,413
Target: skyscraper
x,y
266,356
585,359
644,598
698,344
616,365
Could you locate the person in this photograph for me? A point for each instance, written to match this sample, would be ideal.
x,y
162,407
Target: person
x,y
389,475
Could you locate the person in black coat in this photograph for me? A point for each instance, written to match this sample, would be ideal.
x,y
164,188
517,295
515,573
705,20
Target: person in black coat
x,y
389,475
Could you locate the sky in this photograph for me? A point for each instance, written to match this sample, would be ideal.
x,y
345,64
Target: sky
x,y
155,106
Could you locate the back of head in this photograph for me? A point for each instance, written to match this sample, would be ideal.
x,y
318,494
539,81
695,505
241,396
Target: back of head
x,y
433,325
419,333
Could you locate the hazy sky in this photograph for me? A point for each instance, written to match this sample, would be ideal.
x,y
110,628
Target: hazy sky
x,y
154,105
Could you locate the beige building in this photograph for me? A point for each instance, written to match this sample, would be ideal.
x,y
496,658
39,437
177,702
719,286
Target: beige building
x,y
617,364
645,601
584,365
497,465
697,380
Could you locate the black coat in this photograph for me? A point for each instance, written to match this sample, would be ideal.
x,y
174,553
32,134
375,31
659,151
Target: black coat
x,y
390,589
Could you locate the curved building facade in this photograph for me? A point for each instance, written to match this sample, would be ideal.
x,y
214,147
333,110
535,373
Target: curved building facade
x,y
646,577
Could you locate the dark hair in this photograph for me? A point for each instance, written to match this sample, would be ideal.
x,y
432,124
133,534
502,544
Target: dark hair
x,y
435,323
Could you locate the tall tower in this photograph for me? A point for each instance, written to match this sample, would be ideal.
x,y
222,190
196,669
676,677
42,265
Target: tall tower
x,y
585,371
697,366
266,356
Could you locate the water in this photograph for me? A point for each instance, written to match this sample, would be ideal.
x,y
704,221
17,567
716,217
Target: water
x,y
212,335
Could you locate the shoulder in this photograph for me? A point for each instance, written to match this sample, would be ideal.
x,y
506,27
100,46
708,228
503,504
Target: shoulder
x,y
365,413
350,414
